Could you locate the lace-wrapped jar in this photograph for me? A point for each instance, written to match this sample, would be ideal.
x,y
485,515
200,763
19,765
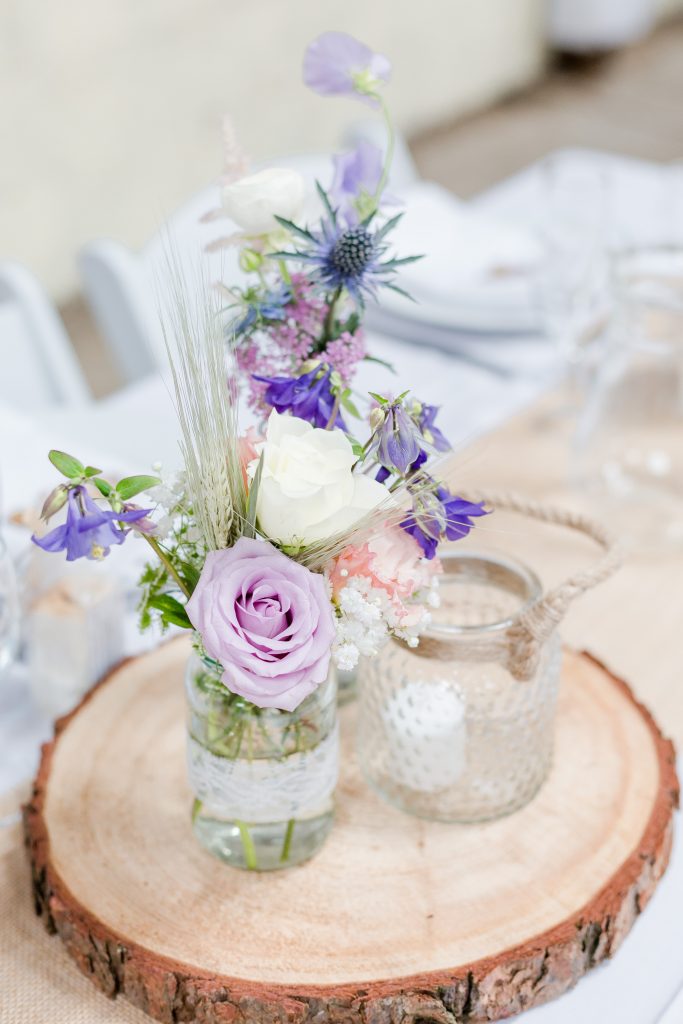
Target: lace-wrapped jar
x,y
460,728
263,780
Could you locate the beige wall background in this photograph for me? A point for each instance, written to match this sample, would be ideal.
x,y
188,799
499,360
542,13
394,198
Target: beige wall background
x,y
111,112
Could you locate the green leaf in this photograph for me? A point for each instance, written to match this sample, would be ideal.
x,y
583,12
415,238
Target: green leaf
x,y
295,229
381,362
378,398
401,261
399,291
250,525
66,464
331,213
132,485
346,401
172,611
386,228
91,471
189,573
358,449
103,487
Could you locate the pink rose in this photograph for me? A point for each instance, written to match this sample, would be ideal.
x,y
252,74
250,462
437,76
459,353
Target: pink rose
x,y
392,561
246,447
267,620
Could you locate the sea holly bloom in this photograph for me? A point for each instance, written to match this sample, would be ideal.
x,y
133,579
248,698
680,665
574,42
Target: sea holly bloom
x,y
336,64
347,258
89,531
308,396
439,515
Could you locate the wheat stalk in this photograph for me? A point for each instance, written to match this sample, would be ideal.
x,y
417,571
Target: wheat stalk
x,y
201,367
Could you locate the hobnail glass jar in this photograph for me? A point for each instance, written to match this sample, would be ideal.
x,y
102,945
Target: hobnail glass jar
x,y
447,730
263,780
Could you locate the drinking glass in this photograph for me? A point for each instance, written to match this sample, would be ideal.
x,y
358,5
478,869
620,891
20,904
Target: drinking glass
x,y
9,608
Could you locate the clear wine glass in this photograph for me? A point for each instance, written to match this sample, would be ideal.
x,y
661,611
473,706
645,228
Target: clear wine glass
x,y
9,608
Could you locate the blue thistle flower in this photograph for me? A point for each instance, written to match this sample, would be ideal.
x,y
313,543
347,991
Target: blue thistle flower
x,y
346,257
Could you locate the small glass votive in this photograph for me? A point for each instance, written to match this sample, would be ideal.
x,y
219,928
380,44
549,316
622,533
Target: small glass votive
x,y
451,730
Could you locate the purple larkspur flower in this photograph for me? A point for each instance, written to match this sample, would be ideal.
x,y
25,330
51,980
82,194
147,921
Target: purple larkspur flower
x,y
356,173
309,396
440,515
89,531
337,64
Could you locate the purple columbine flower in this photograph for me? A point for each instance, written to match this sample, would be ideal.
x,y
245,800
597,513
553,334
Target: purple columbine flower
x,y
336,64
431,433
89,531
397,439
356,173
441,515
309,397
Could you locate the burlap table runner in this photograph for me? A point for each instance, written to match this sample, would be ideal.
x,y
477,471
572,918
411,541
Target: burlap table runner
x,y
38,982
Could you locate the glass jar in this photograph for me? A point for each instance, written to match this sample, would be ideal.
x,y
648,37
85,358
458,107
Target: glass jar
x,y
263,780
448,730
628,458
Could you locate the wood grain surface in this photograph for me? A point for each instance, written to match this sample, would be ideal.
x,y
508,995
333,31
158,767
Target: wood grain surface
x,y
395,919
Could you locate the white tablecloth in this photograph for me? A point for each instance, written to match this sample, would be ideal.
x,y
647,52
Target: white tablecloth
x,y
136,427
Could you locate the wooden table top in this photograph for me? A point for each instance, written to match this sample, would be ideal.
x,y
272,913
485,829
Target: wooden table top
x,y
634,621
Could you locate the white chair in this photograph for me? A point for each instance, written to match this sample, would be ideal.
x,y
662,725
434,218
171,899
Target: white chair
x,y
39,367
125,289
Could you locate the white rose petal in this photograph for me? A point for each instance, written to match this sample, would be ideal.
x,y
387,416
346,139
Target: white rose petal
x,y
308,491
253,202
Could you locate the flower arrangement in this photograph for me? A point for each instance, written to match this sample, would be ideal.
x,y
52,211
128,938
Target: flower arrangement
x,y
300,539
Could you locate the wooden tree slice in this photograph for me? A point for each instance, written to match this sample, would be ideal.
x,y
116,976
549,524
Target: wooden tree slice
x,y
396,919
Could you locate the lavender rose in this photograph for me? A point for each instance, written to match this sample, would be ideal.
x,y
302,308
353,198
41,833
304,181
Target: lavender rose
x,y
267,620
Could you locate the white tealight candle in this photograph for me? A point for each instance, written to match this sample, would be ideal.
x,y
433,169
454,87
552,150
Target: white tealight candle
x,y
427,735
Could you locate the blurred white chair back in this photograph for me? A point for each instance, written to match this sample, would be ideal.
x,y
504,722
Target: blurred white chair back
x,y
39,366
128,290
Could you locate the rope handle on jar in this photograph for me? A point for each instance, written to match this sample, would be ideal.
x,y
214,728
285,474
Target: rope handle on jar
x,y
535,625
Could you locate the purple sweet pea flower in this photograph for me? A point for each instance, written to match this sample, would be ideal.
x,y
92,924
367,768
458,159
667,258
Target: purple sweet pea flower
x,y
356,173
441,516
89,531
267,619
336,64
309,397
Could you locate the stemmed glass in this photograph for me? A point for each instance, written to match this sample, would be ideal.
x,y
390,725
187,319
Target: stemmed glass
x,y
573,284
9,608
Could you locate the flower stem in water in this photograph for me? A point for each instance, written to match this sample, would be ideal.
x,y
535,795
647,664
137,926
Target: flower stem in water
x,y
287,844
247,846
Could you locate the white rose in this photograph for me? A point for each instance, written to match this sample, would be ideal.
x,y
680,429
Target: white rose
x,y
308,491
253,201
